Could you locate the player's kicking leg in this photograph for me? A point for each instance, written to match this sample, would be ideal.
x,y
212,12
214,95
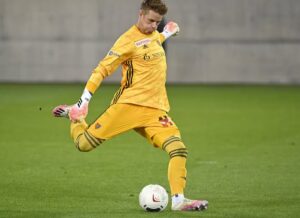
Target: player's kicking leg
x,y
83,140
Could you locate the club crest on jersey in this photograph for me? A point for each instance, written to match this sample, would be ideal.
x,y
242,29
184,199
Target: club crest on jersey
x,y
97,126
142,42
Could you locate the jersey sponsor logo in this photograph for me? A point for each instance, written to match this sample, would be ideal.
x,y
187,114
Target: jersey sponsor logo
x,y
113,53
142,42
158,54
148,57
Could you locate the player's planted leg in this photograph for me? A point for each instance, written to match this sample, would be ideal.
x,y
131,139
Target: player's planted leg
x,y
177,176
188,205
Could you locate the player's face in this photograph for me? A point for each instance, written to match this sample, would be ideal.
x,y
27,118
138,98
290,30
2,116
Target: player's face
x,y
148,21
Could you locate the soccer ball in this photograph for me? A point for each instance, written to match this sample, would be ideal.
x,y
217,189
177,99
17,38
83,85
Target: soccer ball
x,y
153,198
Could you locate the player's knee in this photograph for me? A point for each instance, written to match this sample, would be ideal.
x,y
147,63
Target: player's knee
x,y
175,147
86,142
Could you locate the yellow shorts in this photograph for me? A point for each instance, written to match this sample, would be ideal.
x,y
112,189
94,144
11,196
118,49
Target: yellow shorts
x,y
153,124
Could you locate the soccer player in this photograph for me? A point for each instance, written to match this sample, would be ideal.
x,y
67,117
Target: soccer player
x,y
141,103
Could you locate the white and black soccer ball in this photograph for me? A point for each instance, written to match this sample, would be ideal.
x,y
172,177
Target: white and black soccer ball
x,y
153,198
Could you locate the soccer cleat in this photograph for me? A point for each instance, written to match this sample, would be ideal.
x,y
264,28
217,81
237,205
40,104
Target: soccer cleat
x,y
191,205
61,111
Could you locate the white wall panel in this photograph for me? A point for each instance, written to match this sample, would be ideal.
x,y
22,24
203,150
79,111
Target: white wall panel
x,y
221,41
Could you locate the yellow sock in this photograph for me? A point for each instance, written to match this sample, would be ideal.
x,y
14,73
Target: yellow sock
x,y
177,175
177,166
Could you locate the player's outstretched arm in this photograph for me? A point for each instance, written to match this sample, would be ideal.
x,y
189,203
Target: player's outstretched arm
x,y
119,53
75,112
79,110
170,29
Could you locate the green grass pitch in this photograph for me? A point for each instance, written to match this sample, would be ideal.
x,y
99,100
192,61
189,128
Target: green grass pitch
x,y
243,142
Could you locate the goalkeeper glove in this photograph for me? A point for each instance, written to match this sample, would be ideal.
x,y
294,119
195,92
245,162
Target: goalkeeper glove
x,y
79,111
170,29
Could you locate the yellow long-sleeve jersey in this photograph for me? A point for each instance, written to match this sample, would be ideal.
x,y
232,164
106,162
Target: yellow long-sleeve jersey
x,y
144,68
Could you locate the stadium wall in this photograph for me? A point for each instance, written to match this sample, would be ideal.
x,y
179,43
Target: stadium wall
x,y
221,41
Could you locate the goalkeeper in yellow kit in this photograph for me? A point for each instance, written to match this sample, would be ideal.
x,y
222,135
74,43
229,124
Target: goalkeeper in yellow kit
x,y
141,103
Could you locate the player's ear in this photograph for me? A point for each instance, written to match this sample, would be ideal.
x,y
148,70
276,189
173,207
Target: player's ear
x,y
141,12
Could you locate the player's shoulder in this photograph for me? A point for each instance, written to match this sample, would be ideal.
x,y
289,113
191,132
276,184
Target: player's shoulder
x,y
132,33
127,36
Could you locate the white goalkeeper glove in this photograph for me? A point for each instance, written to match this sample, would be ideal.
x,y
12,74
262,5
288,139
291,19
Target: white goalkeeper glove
x,y
79,110
170,29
